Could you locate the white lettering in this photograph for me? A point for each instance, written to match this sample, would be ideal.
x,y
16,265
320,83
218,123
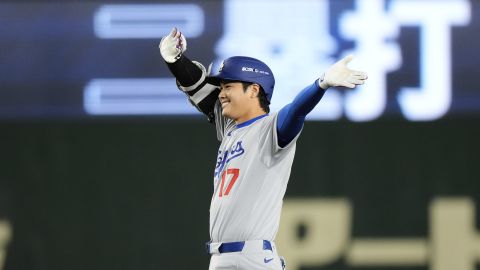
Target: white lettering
x,y
298,49
247,69
142,21
431,100
370,27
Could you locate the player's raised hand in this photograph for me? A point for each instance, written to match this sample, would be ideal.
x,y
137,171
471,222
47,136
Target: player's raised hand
x,y
172,46
340,75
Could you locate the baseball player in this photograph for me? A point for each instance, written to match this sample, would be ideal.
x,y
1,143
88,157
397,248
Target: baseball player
x,y
256,150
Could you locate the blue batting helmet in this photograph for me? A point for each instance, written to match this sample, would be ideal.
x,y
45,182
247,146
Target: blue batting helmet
x,y
246,69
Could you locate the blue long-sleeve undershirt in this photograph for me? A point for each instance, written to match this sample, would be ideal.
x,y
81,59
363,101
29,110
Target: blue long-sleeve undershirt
x,y
291,117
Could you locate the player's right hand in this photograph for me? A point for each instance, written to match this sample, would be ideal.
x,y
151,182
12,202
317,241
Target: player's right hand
x,y
172,46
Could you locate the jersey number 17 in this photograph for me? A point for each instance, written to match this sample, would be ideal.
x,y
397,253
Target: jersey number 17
x,y
234,172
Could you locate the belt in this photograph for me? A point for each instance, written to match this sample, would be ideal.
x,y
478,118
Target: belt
x,y
228,247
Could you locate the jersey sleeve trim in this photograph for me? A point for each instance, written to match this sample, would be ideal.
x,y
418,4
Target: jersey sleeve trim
x,y
291,117
278,146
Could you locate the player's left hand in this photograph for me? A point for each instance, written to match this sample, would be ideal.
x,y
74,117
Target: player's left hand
x,y
340,75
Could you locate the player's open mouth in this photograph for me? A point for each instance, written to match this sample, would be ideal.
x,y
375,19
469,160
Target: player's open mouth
x,y
225,103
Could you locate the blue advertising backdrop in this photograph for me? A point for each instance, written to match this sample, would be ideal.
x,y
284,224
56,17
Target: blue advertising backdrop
x,y
87,59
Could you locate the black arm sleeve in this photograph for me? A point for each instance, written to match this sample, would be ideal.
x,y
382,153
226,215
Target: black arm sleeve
x,y
185,71
188,74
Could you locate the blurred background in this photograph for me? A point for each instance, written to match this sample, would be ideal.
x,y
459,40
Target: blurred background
x,y
105,165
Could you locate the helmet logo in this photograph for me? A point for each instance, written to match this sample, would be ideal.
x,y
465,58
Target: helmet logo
x,y
249,69
221,66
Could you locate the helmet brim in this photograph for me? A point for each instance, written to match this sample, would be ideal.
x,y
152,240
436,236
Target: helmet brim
x,y
217,79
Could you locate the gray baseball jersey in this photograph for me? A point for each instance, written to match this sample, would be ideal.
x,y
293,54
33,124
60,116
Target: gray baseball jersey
x,y
250,179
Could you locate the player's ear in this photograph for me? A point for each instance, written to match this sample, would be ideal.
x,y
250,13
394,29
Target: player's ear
x,y
254,90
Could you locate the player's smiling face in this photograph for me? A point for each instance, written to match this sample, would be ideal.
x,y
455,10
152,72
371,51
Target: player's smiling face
x,y
232,97
238,104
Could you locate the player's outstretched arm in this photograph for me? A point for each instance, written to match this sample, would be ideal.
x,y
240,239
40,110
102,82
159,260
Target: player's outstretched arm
x,y
190,75
291,117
